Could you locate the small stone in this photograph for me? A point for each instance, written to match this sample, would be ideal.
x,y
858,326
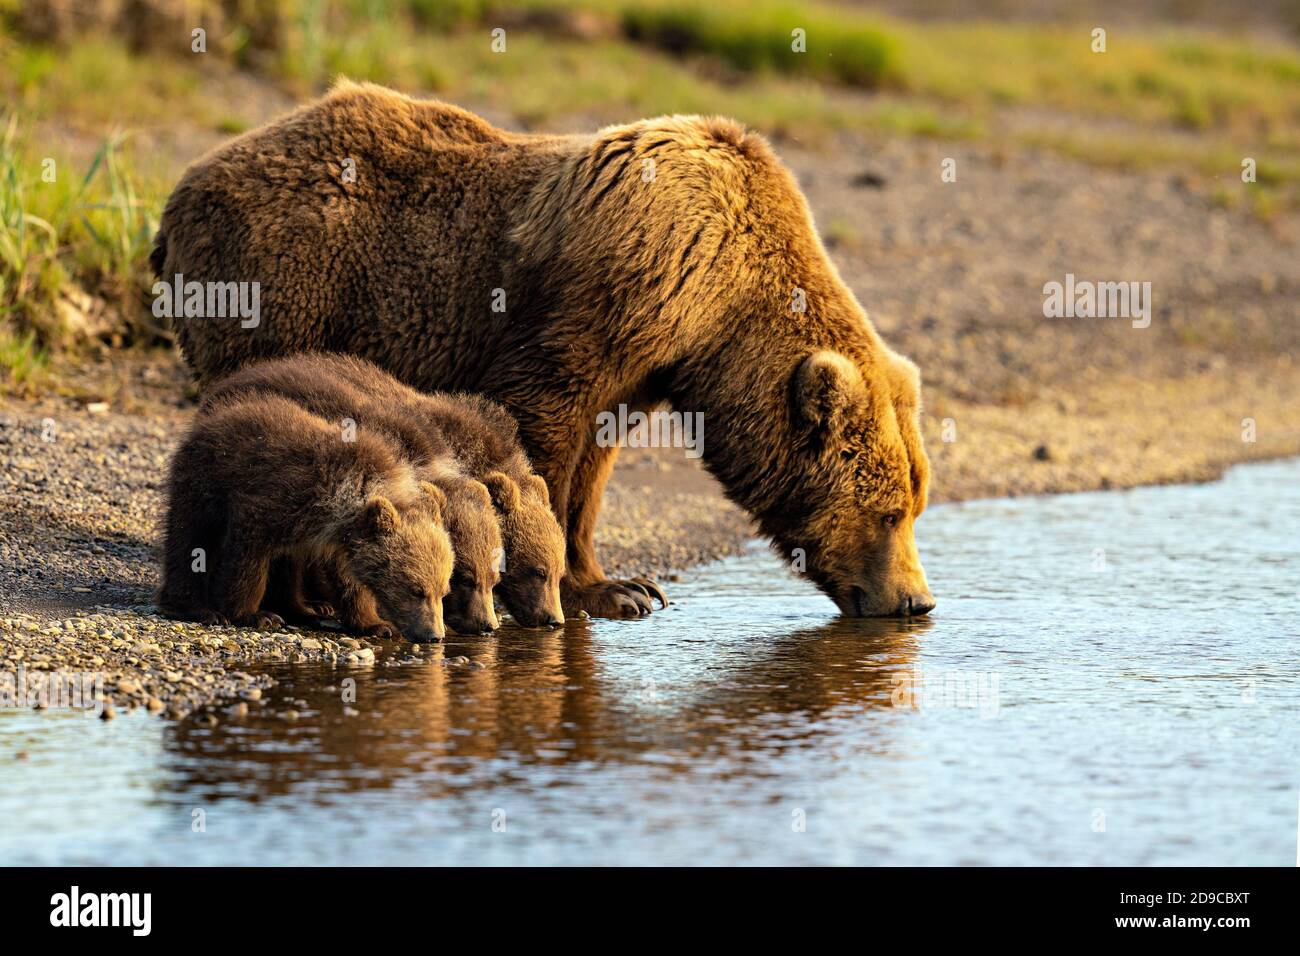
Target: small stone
x,y
108,713
153,705
1042,453
251,694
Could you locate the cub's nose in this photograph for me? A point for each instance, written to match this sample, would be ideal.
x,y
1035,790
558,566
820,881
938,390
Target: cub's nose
x,y
917,604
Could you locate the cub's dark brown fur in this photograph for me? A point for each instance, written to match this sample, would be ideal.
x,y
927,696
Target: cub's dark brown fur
x,y
476,434
671,259
262,478
314,382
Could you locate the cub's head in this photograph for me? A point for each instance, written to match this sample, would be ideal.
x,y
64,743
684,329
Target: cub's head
x,y
404,556
476,539
861,482
534,564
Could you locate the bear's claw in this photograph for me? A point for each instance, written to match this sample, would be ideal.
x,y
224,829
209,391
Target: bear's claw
x,y
262,620
651,589
627,598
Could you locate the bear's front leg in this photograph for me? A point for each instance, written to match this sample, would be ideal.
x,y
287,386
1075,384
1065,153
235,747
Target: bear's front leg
x,y
585,587
293,596
242,587
359,612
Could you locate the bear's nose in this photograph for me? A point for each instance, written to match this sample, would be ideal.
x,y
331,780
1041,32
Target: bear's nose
x,y
917,604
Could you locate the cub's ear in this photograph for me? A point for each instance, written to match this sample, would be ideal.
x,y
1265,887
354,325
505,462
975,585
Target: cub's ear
x,y
537,485
503,491
434,500
825,387
379,516
479,491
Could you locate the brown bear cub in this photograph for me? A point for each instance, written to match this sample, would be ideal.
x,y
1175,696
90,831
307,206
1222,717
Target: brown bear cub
x,y
262,478
480,437
469,514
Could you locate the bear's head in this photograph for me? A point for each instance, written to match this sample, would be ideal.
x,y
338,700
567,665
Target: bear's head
x,y
404,556
476,538
860,482
535,547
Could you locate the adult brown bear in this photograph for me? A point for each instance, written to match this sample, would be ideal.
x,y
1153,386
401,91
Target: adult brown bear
x,y
672,259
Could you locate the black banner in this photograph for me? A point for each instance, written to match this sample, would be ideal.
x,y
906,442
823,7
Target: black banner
x,y
304,905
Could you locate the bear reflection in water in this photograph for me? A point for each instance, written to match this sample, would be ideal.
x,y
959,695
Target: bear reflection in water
x,y
567,698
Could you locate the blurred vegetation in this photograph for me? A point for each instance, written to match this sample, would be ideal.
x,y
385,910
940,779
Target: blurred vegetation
x,y
73,73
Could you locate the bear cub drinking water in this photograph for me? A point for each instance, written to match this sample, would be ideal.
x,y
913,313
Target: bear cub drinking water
x,y
467,445
260,478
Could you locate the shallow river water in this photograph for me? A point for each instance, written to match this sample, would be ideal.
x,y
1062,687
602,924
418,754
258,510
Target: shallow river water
x,y
1108,678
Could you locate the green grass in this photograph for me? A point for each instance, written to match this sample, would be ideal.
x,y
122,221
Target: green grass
x,y
91,225
97,80
1192,82
23,361
1187,80
760,36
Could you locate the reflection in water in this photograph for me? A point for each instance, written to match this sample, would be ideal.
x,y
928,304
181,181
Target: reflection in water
x,y
557,699
1108,679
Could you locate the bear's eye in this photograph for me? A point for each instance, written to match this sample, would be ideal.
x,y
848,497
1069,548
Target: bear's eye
x,y
420,594
537,573
889,520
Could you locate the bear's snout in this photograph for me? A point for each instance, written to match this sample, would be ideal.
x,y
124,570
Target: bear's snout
x,y
916,604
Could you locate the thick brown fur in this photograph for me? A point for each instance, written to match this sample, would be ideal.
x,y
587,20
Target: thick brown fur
x,y
672,259
483,440
262,478
353,394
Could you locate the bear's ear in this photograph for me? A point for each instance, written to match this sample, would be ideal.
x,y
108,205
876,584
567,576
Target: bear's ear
x,y
905,385
434,500
537,485
379,516
503,490
826,386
